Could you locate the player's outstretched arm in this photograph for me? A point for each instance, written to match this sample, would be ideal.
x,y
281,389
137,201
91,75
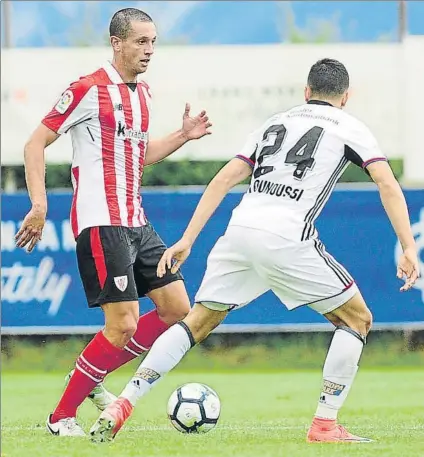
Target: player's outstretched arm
x,y
395,206
32,226
193,128
233,173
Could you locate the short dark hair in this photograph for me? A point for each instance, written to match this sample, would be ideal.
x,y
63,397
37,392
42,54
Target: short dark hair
x,y
328,77
120,24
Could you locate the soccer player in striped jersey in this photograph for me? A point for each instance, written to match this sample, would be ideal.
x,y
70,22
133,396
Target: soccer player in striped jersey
x,y
108,116
295,159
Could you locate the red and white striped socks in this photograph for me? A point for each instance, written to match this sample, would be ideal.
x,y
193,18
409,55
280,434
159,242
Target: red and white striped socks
x,y
101,357
92,365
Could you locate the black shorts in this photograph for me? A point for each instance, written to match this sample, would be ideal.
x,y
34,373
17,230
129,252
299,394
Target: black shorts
x,y
119,263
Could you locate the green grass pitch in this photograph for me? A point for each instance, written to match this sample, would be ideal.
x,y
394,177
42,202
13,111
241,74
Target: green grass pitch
x,y
263,414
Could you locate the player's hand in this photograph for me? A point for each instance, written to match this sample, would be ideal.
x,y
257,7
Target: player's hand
x,y
408,268
174,257
31,229
195,127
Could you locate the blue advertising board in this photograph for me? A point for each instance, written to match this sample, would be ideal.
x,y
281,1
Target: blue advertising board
x,y
42,292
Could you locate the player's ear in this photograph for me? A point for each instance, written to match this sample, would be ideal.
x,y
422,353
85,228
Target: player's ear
x,y
116,43
345,99
307,93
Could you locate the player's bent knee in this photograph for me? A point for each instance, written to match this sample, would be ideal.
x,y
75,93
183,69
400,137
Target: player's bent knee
x,y
171,301
354,314
120,332
121,320
202,320
127,328
171,315
367,319
175,313
361,322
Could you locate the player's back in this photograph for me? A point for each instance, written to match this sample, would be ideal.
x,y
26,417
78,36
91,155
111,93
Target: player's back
x,y
298,157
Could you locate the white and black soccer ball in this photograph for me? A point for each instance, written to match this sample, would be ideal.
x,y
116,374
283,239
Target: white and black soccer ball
x,y
194,408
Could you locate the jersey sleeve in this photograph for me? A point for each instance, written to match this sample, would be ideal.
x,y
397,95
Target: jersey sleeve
x,y
248,152
73,107
362,148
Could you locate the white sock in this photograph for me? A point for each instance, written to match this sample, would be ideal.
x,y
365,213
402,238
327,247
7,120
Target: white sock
x,y
166,352
339,371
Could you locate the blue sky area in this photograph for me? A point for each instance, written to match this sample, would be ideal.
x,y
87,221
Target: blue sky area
x,y
68,23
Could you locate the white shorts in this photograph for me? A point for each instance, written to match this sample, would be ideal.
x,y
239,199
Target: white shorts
x,y
245,263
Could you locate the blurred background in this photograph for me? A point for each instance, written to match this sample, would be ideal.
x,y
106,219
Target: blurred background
x,y
242,61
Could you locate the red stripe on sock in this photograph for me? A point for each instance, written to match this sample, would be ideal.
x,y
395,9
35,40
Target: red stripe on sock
x,y
98,255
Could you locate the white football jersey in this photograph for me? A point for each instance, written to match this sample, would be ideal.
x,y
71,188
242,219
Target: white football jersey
x,y
297,158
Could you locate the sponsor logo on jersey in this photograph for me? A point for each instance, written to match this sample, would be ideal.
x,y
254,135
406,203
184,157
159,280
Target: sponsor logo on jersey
x,y
332,388
307,112
418,232
133,134
65,102
272,188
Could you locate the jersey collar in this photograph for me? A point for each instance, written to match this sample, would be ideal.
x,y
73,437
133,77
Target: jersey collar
x,y
113,74
319,102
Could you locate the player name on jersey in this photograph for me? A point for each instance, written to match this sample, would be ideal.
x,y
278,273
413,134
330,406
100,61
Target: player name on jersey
x,y
273,188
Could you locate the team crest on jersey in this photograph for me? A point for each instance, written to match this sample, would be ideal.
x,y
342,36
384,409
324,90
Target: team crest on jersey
x,y
121,282
65,102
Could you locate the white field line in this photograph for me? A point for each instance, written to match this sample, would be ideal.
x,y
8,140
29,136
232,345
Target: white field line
x,y
222,427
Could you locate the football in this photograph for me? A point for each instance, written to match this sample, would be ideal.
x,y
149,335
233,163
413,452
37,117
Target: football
x,y
194,408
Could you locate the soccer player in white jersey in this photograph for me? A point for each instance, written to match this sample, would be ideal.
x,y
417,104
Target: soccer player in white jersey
x,y
107,114
295,159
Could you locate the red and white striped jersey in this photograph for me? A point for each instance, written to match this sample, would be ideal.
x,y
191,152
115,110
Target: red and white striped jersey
x,y
109,124
297,158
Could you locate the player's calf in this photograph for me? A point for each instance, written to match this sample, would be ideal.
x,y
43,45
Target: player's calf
x,y
353,321
97,359
201,320
99,396
165,354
